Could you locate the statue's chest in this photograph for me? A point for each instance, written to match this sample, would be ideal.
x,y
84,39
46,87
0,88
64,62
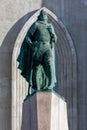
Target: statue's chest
x,y
42,30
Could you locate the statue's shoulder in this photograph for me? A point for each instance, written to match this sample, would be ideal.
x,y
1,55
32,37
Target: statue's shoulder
x,y
34,24
32,28
37,23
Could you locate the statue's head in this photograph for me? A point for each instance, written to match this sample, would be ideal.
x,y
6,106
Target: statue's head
x,y
43,16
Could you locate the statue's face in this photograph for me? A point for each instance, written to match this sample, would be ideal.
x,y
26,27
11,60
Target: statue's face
x,y
43,16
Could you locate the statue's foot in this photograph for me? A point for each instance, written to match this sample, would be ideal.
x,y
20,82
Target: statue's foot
x,y
50,87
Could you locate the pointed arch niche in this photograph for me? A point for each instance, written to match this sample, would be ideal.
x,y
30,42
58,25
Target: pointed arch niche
x,y
66,68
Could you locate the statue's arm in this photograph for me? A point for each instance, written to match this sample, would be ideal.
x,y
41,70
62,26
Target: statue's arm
x,y
29,36
52,33
53,37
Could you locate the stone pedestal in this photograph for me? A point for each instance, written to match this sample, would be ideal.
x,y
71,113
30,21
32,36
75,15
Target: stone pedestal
x,y
44,111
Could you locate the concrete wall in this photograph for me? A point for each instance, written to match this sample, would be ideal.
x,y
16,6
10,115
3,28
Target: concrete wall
x,y
13,15
74,16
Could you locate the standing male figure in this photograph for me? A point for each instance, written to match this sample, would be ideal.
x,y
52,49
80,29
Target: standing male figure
x,y
37,55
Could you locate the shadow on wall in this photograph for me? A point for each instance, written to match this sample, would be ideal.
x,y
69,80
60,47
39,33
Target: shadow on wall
x,y
6,50
7,45
11,36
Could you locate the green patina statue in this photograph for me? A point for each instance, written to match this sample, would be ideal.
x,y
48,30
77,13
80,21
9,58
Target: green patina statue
x,y
37,55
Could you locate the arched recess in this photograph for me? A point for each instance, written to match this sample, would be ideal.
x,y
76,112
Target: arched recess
x,y
66,67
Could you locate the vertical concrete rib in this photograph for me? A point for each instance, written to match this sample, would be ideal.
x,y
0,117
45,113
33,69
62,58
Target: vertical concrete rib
x,y
17,98
14,114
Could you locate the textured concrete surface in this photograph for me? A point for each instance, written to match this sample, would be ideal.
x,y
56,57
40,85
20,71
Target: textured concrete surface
x,y
74,16
44,110
13,15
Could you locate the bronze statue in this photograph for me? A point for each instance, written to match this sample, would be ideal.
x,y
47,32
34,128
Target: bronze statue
x,y
37,55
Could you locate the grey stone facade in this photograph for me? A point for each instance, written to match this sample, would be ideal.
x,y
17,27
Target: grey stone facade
x,y
13,15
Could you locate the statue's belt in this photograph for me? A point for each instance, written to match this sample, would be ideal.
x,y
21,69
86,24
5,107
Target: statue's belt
x,y
42,42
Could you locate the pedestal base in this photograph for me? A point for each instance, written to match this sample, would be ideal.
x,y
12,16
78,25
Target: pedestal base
x,y
44,111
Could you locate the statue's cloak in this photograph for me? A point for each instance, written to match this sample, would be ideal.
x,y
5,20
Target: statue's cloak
x,y
25,57
25,60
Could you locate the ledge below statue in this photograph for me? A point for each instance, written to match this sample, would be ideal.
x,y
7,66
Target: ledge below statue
x,y
44,111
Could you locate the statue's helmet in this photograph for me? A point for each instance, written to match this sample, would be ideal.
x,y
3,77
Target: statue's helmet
x,y
43,15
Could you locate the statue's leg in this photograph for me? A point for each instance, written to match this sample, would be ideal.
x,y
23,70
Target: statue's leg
x,y
49,67
38,73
